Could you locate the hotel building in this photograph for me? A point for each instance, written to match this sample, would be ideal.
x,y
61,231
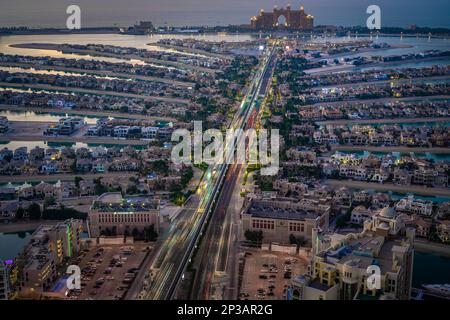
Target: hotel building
x,y
338,269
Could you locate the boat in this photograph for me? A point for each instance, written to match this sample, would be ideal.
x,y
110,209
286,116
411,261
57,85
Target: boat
x,y
442,290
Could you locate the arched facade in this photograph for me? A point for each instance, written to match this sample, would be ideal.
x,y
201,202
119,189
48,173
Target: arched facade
x,y
295,19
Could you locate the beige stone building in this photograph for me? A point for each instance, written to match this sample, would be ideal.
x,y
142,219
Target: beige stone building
x,y
112,211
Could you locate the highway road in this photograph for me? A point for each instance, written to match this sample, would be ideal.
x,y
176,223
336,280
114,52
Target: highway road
x,y
216,274
168,267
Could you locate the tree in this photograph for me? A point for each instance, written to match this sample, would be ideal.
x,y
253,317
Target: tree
x,y
132,189
99,188
50,201
20,213
62,214
254,236
299,241
135,232
150,233
34,211
77,181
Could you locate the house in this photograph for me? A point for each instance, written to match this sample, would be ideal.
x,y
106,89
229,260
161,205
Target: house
x,y
342,198
430,177
415,206
125,164
100,165
443,231
353,172
49,167
45,190
37,153
285,187
121,131
67,190
360,214
8,209
83,153
66,165
361,196
26,192
84,165
443,211
423,227
6,154
150,132
87,187
402,177
380,175
99,152
20,154
4,124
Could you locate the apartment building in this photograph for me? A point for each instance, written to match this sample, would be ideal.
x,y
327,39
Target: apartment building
x,y
49,247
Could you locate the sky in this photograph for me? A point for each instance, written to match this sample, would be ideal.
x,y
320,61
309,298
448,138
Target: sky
x,y
52,13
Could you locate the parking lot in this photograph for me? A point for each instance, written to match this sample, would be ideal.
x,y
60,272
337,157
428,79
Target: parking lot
x,y
108,271
267,274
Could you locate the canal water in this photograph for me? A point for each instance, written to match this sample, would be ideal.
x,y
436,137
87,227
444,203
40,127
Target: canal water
x,y
430,269
11,244
42,116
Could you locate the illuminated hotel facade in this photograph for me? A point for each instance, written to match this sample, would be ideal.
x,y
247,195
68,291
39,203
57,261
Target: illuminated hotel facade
x,y
283,18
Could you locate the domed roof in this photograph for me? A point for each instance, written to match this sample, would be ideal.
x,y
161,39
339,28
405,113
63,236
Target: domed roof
x,y
387,212
383,225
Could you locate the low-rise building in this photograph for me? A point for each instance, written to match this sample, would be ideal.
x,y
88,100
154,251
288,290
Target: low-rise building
x,y
415,206
443,230
360,214
279,219
112,211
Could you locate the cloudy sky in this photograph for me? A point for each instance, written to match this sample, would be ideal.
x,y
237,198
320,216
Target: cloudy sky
x,y
52,13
